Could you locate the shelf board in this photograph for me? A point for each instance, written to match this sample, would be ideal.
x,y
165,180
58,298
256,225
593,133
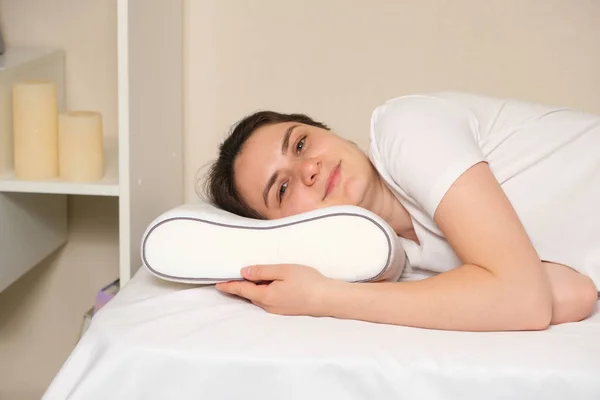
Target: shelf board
x,y
107,186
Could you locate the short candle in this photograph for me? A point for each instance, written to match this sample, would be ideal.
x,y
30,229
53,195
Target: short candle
x,y
81,154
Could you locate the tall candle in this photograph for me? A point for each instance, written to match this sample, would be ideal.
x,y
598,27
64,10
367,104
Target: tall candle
x,y
35,130
81,155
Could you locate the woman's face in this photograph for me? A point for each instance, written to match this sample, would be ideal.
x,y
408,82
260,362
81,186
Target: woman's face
x,y
290,168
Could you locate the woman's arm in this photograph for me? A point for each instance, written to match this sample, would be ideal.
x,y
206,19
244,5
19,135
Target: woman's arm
x,y
301,290
501,286
574,298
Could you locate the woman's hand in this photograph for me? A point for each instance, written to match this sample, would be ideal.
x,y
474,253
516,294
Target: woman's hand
x,y
574,295
281,289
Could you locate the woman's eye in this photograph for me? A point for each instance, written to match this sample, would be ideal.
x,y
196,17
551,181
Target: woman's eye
x,y
300,145
282,190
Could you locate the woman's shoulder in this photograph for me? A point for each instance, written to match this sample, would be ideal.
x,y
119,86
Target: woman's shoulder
x,y
425,116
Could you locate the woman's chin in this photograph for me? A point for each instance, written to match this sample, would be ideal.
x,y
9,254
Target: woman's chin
x,y
340,201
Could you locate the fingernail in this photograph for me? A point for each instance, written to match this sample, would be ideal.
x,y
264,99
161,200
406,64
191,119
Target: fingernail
x,y
246,271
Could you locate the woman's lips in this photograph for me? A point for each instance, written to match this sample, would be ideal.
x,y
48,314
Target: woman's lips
x,y
332,180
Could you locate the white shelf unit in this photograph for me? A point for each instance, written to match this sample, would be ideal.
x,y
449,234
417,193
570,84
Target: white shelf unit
x,y
143,168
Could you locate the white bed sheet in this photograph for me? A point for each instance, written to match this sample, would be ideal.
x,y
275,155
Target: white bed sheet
x,y
160,340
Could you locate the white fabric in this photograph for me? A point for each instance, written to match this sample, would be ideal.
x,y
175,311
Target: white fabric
x,y
163,340
547,160
200,243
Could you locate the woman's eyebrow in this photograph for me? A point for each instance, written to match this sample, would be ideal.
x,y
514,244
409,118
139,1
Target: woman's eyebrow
x,y
284,148
267,188
286,139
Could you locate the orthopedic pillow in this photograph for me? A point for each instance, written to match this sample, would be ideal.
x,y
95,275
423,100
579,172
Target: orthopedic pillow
x,y
200,243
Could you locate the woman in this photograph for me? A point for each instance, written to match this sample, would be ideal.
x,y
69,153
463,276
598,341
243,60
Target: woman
x,y
496,199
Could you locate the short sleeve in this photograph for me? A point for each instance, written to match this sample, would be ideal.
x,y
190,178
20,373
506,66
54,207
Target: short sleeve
x,y
425,143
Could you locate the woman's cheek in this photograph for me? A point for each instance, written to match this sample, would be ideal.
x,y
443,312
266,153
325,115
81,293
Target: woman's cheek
x,y
302,202
353,191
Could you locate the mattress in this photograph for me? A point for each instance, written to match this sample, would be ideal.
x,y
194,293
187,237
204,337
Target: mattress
x,y
162,340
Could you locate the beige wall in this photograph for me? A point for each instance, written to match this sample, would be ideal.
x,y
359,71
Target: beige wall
x,y
40,314
338,59
333,59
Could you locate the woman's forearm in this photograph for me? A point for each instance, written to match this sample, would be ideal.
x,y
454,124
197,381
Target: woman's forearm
x,y
468,298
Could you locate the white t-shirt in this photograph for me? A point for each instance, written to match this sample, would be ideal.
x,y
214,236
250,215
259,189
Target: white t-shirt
x,y
547,161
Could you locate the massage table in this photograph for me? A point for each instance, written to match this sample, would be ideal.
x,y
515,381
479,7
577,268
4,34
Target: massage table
x,y
164,340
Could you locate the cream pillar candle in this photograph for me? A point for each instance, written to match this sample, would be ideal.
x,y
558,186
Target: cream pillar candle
x,y
81,154
35,130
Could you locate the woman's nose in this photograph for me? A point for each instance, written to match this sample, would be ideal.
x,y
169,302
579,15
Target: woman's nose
x,y
309,170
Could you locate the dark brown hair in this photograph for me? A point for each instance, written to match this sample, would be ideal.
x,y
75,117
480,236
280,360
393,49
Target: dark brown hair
x,y
220,184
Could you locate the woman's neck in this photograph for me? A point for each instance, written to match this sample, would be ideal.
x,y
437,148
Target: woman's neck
x,y
387,206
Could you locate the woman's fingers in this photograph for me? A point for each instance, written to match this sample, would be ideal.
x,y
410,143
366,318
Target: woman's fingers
x,y
245,289
259,273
